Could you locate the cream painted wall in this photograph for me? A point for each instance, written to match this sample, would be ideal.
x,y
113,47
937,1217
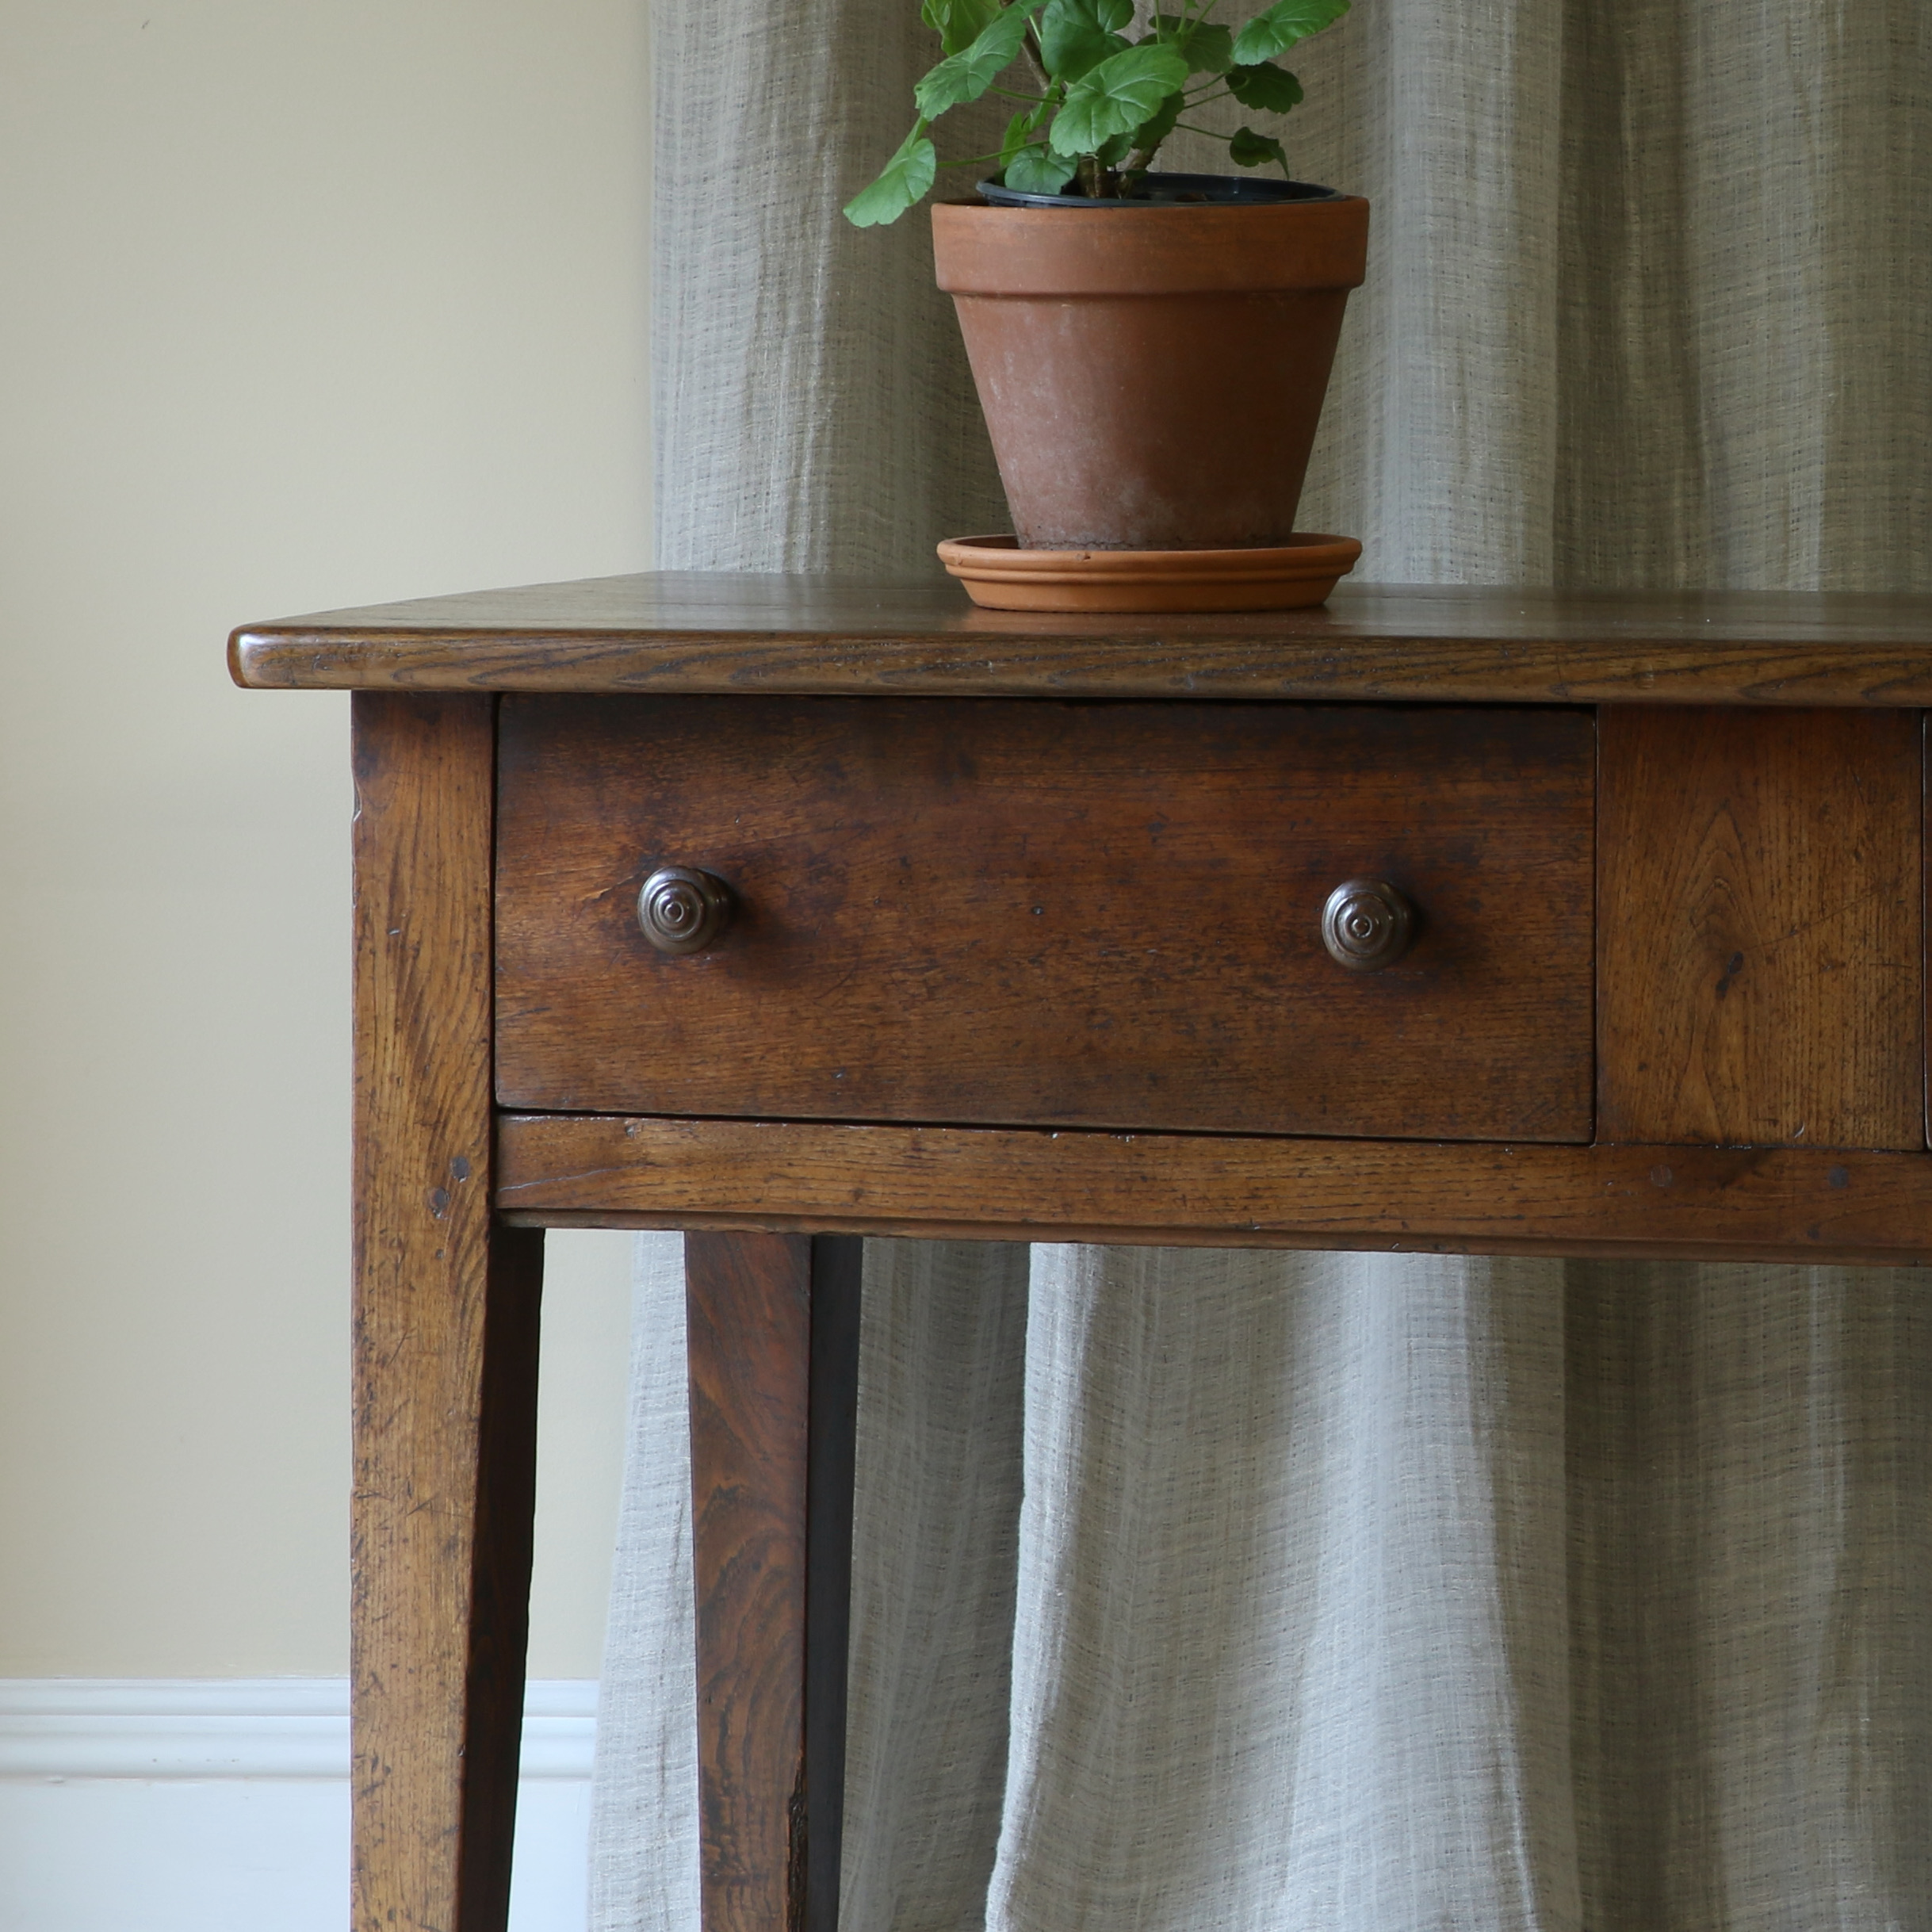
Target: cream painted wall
x,y
302,303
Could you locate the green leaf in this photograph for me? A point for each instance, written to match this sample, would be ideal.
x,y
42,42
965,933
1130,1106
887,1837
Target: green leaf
x,y
903,180
1265,86
1121,92
1250,150
1209,48
1282,26
1206,45
1076,36
959,23
1020,131
1151,133
1034,170
966,75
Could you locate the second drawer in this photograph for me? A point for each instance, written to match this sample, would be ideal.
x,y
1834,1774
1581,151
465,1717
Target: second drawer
x,y
1034,913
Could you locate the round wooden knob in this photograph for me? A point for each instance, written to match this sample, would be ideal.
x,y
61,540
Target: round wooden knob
x,y
682,910
1366,924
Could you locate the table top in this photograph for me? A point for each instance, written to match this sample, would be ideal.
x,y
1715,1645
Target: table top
x,y
731,632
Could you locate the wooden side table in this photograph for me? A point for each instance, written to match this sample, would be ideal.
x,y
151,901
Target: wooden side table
x,y
786,911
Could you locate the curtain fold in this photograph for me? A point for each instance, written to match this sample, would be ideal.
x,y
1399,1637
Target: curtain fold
x,y
935,1559
811,405
1750,1563
1281,1591
1267,1592
644,1784
1292,1630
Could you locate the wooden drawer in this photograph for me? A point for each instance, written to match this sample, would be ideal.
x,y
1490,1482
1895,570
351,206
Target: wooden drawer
x,y
1036,913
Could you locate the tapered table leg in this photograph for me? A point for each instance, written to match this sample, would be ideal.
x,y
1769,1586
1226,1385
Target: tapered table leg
x,y
445,1341
774,1348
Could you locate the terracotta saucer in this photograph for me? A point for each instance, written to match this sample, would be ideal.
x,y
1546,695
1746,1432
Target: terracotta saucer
x,y
1289,576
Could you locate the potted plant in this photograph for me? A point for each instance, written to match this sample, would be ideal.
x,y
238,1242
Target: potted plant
x,y
1151,350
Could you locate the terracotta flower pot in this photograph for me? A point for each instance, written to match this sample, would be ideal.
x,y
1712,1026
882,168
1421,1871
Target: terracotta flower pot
x,y
1152,375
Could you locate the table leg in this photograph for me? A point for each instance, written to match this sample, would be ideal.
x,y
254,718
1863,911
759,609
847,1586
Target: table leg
x,y
774,1354
445,1341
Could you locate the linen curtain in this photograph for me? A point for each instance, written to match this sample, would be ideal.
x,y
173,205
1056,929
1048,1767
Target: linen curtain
x,y
1273,1592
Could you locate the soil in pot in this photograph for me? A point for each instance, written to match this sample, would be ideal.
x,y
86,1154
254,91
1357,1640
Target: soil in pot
x,y
1246,190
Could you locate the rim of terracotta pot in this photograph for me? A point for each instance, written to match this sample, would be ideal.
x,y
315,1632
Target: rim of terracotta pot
x,y
1155,248
1159,189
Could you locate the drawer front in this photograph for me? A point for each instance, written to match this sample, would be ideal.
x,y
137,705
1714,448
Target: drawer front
x,y
1033,912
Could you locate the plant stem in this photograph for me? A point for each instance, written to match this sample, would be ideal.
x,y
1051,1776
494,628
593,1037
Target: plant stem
x,y
979,161
1035,59
1097,182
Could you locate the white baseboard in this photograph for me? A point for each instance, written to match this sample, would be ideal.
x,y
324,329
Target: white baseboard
x,y
165,1805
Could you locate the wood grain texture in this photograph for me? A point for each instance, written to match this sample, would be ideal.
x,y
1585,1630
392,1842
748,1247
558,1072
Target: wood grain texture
x,y
1050,913
445,1343
725,632
1762,931
772,1329
838,1269
1201,1190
